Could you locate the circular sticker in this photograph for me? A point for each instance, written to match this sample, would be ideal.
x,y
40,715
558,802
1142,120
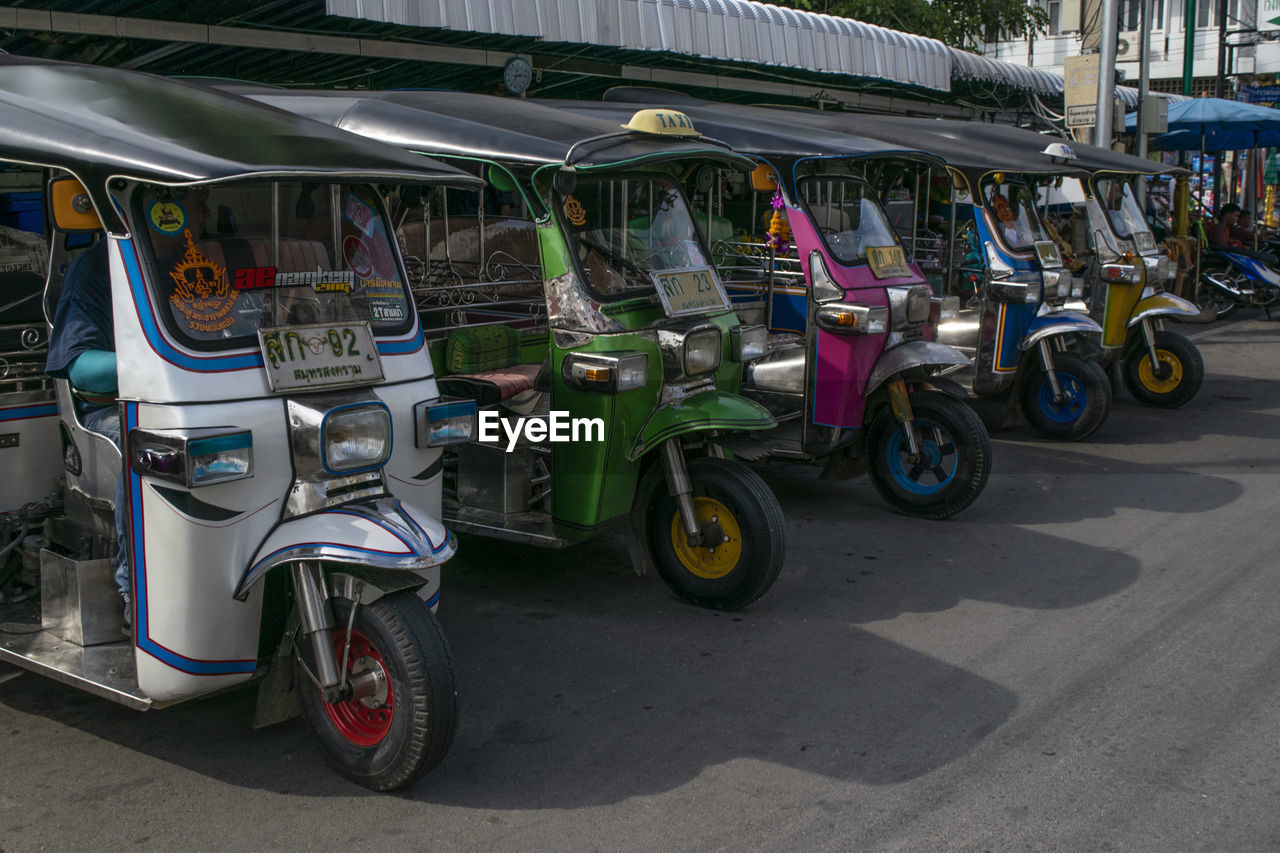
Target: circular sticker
x,y
167,217
359,256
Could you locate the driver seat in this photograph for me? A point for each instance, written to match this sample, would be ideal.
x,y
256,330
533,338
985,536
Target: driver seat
x,y
92,464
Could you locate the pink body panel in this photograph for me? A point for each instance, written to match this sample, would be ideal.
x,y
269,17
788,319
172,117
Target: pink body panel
x,y
843,362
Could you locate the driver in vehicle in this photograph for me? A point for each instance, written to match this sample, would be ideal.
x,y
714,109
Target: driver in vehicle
x,y
82,343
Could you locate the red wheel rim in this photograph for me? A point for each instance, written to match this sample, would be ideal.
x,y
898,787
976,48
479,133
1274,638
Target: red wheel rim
x,y
354,720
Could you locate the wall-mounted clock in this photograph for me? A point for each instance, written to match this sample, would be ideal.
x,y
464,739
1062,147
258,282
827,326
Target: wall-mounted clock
x,y
517,74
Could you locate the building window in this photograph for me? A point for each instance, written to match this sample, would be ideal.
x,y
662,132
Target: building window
x,y
1207,12
1054,8
1131,15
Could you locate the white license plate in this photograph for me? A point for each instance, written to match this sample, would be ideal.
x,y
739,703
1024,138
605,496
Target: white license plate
x,y
322,355
689,291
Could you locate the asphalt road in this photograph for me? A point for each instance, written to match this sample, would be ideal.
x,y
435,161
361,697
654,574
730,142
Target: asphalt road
x,y
1086,659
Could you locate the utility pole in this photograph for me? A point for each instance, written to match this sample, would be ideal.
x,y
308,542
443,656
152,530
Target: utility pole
x,y
1144,77
1222,49
1189,48
1106,74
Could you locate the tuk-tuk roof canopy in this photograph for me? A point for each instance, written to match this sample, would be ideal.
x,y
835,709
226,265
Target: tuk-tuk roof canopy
x,y
509,130
101,123
771,135
984,147
971,146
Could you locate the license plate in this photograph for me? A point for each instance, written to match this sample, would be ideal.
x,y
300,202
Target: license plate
x,y
689,291
888,262
322,355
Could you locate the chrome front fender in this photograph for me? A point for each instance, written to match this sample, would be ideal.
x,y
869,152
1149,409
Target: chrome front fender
x,y
382,533
1161,304
912,354
1059,323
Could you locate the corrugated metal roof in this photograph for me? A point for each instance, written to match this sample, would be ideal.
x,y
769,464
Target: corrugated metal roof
x,y
722,30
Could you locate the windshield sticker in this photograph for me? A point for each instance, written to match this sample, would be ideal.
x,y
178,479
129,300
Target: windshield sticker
x,y
321,281
386,311
888,262
359,214
574,211
201,290
255,277
358,255
166,217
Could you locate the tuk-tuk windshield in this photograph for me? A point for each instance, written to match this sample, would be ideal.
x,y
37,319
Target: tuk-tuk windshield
x,y
846,213
228,259
1117,199
622,229
1013,206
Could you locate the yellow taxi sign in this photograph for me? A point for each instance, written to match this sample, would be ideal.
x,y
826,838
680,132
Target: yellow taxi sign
x,y
665,122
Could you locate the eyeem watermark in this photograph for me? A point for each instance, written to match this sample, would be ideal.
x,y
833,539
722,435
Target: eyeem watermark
x,y
556,427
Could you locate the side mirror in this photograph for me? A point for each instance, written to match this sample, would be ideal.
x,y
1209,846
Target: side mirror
x,y
71,206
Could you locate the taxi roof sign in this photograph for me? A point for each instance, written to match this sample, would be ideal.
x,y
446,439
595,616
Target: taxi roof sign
x,y
664,122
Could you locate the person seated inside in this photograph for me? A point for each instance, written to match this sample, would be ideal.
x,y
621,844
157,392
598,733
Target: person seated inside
x,y
1220,233
82,350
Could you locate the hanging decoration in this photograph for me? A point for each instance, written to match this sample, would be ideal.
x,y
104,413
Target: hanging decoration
x,y
779,227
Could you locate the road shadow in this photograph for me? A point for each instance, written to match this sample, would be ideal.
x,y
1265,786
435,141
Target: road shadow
x,y
582,684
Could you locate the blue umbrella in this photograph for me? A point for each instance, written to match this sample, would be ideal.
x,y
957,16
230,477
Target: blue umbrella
x,y
1215,124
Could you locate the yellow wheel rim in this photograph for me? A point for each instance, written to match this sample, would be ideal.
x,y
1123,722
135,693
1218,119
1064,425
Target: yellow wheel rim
x,y
711,560
1147,375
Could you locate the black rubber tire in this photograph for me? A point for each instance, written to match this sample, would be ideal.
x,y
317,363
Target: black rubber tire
x,y
1183,356
946,428
1092,394
424,705
1207,296
762,542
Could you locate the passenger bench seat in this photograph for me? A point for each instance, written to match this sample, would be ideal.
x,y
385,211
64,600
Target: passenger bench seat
x,y
483,364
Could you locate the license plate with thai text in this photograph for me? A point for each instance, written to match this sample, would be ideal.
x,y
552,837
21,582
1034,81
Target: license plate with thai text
x,y
321,355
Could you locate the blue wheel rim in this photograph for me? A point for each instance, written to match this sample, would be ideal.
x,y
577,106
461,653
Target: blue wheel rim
x,y
1072,407
939,460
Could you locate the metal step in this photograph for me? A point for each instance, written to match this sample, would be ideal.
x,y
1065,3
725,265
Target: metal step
x,y
106,670
531,528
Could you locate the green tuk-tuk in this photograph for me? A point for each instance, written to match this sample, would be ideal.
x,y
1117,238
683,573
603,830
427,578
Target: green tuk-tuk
x,y
574,300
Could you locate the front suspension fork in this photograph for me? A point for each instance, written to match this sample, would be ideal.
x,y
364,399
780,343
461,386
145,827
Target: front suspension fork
x,y
900,405
1046,358
315,618
1159,368
681,489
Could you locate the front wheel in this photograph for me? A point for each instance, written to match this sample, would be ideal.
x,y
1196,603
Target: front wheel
x,y
405,726
1178,378
952,465
743,537
1083,406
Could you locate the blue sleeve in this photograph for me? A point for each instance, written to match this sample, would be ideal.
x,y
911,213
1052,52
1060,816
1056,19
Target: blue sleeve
x,y
82,320
94,371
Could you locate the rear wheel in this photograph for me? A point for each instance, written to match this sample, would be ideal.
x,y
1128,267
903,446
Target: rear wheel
x,y
952,465
1083,406
405,725
743,537
1174,380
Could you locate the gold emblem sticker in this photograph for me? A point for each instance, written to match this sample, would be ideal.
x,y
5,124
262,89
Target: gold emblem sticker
x,y
201,291
574,211
888,262
167,217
